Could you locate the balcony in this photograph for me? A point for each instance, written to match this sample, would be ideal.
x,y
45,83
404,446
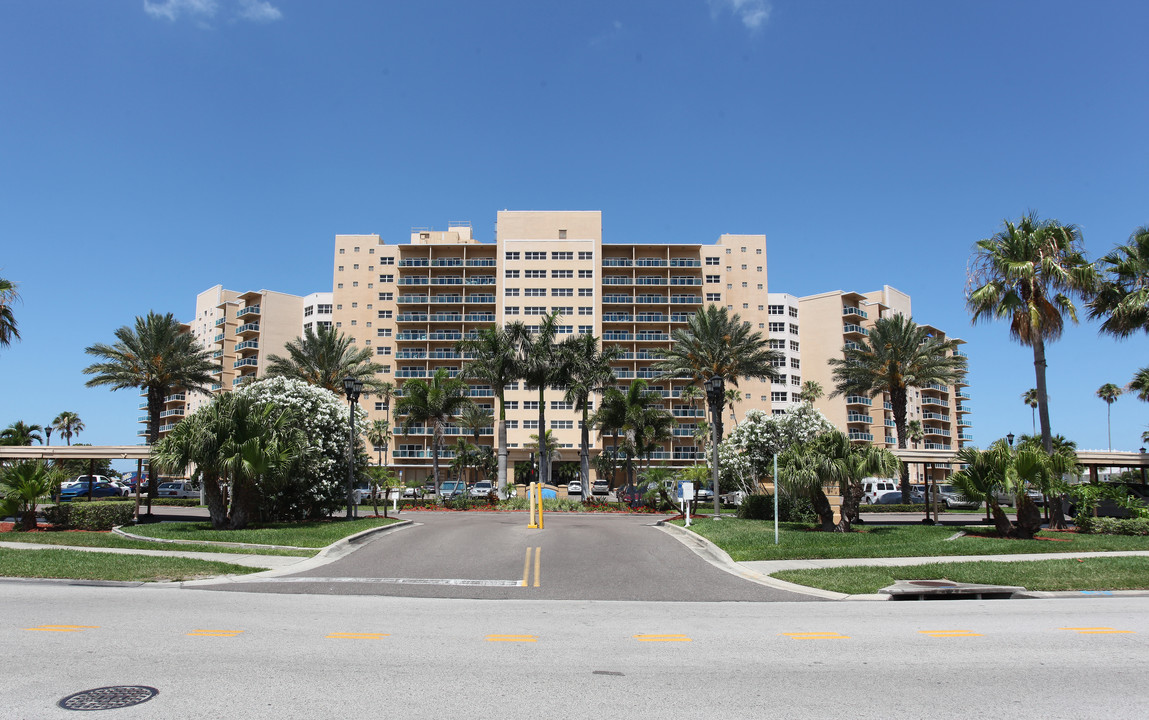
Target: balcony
x,y
852,346
858,400
651,262
859,418
411,355
248,328
651,337
680,317
217,355
962,394
850,328
242,380
249,310
479,317
855,311
617,317
481,262
447,262
421,373
216,386
963,409
937,386
617,280
616,335
247,345
407,335
218,338
446,299
890,440
649,299
480,392
616,262
617,299
936,446
648,280
412,300
963,423
685,281
930,430
175,397
174,412
481,280
965,437
481,299
414,262
685,262
447,280
685,299
246,362
928,400
414,280
935,416
444,317
411,317
862,436
168,427
220,321
650,317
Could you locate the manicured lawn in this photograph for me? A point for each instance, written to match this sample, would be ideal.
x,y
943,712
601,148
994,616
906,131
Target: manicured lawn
x,y
315,534
84,565
747,540
81,538
1102,573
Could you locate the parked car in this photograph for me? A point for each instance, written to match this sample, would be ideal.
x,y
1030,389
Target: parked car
x,y
895,498
361,493
80,490
874,488
451,488
632,494
950,496
411,493
482,489
600,487
178,489
429,488
574,487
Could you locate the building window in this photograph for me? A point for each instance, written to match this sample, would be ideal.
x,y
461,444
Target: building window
x,y
793,329
511,292
386,261
743,266
795,363
356,265
778,362
713,297
777,327
794,345
710,279
585,310
563,236
586,292
307,326
530,424
511,274
354,305
536,255
535,292
512,424
562,309
729,250
308,311
569,255
534,310
585,255
340,268
759,268
796,380
531,405
760,286
511,310
761,308
512,255
793,312
386,332
387,297
779,397
512,404
562,424
745,285
711,261
340,251
780,380
339,286
354,283
386,278
562,292
562,273
385,348
535,274
565,329
385,314
743,250
586,274
757,251
585,329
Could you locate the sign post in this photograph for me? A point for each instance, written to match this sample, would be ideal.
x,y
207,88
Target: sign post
x,y
687,492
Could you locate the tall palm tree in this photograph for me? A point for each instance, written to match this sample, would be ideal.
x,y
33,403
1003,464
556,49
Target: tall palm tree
x,y
1028,274
588,372
1123,295
435,402
154,356
1140,384
379,435
540,365
716,344
475,419
325,356
8,324
812,390
495,362
648,423
1029,397
897,355
1109,393
610,418
21,433
68,424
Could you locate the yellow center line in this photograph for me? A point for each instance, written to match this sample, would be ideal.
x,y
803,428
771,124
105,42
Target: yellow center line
x,y
63,628
214,633
357,636
527,568
512,638
538,555
816,636
662,638
1099,631
949,633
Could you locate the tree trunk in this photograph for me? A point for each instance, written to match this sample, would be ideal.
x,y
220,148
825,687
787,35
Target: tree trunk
x,y
898,401
1028,518
851,500
155,407
824,510
216,507
584,449
244,504
28,522
502,454
1039,367
1000,521
1056,515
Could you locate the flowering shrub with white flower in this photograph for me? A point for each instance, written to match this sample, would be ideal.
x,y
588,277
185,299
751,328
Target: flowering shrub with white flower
x,y
747,453
317,485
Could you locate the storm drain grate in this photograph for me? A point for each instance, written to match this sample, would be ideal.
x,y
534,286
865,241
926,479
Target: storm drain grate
x,y
109,698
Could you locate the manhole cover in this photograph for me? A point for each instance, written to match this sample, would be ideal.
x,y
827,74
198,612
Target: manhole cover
x,y
933,583
109,698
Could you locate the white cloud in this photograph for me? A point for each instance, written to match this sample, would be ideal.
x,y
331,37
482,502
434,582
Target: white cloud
x,y
752,13
202,11
258,11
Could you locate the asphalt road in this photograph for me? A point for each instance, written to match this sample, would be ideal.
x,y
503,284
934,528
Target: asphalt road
x,y
495,556
256,656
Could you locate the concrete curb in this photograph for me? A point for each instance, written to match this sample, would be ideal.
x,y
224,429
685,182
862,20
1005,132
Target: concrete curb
x,y
119,530
717,557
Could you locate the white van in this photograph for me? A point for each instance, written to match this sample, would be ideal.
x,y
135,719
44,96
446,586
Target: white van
x,y
179,489
874,488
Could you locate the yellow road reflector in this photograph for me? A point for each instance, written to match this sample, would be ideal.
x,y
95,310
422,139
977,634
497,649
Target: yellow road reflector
x,y
949,633
816,636
1099,631
357,636
63,628
214,633
512,638
662,638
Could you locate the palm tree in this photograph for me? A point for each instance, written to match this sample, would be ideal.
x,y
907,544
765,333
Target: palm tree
x,y
68,424
1029,397
8,297
588,371
1140,384
324,357
982,475
379,435
1123,296
540,365
1027,275
812,390
1109,393
915,432
648,423
610,418
494,362
433,402
21,433
476,419
733,397
897,354
22,485
716,344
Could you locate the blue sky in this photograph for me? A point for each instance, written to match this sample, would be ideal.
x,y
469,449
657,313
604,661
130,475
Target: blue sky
x,y
149,150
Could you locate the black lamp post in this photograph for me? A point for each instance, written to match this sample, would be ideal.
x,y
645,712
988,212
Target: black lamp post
x,y
352,388
716,398
1010,439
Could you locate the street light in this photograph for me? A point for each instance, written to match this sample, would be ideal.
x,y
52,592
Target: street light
x,y
1010,439
715,398
352,388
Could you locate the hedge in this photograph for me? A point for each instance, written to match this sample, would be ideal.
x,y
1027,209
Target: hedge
x,y
1111,526
90,516
165,501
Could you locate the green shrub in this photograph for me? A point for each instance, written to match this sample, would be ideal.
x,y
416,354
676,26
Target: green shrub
x,y
90,516
1111,526
790,509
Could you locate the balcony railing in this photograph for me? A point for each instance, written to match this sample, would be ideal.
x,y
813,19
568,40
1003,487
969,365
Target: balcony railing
x,y
175,397
651,262
414,280
616,262
859,418
685,262
246,362
249,310
481,262
246,328
855,311
854,435
928,400
685,299
627,299
247,345
852,328
414,262
935,416
859,400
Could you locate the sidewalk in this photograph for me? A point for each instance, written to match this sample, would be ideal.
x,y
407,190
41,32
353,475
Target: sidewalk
x,y
767,567
267,562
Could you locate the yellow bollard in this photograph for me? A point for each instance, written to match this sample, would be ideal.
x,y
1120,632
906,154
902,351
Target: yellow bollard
x,y
540,507
532,493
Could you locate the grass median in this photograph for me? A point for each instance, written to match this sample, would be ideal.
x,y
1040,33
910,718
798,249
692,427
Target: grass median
x,y
746,540
310,534
85,538
85,565
1099,573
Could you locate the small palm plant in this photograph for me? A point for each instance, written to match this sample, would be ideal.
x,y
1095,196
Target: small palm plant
x,y
23,484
